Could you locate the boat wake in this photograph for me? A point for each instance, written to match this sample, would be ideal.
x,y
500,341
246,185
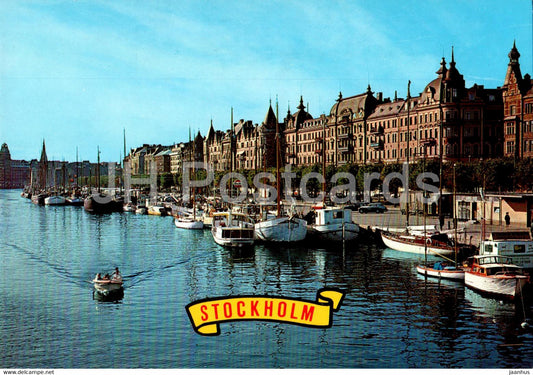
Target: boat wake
x,y
146,275
57,269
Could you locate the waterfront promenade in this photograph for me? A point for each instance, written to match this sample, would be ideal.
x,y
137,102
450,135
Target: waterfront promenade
x,y
468,231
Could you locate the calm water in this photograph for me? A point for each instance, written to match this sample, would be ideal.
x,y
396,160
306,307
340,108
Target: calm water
x,y
390,317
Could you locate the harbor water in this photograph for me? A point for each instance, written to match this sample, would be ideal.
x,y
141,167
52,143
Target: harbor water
x,y
390,316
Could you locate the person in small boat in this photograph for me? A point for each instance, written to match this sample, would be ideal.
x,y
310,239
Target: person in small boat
x,y
116,274
106,276
98,276
438,266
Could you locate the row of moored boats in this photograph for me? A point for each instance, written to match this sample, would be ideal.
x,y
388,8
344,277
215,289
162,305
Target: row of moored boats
x,y
497,268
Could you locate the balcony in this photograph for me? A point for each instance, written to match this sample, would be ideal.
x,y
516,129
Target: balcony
x,y
428,142
377,130
378,145
346,149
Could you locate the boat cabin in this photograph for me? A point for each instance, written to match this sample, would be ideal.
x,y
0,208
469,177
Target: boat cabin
x,y
494,265
332,216
516,245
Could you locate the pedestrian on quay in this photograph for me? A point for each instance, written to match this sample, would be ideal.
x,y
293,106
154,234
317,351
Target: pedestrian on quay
x,y
507,219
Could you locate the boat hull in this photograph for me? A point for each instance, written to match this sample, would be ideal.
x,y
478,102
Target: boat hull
x,y
501,286
282,229
233,237
157,211
334,232
404,244
100,204
107,287
188,224
455,274
55,200
75,202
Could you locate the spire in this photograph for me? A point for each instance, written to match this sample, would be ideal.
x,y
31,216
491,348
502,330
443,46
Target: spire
x,y
301,107
453,69
44,158
442,71
514,55
453,73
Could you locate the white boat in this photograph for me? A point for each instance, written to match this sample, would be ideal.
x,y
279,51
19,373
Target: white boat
x,y
207,220
281,229
441,272
188,222
107,286
233,229
141,210
55,200
495,275
333,224
516,245
129,207
434,245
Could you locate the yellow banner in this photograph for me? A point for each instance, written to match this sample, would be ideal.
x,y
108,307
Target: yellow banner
x,y
205,315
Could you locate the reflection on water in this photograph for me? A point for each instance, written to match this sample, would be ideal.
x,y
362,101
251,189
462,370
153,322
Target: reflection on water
x,y
390,314
112,296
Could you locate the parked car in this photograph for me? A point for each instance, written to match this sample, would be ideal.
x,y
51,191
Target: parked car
x,y
352,206
372,207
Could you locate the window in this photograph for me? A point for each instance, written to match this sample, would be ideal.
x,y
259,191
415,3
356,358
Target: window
x,y
509,147
519,249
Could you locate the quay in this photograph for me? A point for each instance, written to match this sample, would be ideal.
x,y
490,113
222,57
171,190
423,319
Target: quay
x,y
469,232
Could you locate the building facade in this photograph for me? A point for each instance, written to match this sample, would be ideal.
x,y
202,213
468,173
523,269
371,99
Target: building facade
x,y
518,109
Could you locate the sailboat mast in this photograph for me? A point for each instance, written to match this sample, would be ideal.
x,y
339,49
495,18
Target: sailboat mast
x,y
324,161
77,169
278,185
455,215
408,153
193,174
98,169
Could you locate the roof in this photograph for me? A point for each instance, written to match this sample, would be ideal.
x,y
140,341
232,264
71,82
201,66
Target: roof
x,y
352,104
387,109
518,235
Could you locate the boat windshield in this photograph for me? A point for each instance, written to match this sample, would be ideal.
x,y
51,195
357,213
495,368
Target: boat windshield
x,y
494,260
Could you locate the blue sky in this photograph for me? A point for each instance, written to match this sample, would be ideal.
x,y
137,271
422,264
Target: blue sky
x,y
76,73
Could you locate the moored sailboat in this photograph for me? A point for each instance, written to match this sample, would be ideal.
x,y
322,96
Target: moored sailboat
x,y
280,228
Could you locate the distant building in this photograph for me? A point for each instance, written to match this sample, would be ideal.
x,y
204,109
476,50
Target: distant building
x,y
518,109
14,174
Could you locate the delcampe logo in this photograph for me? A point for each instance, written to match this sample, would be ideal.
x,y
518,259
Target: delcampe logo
x,y
207,314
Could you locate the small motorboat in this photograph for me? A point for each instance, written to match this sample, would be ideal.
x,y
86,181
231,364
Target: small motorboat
x,y
188,222
108,285
233,229
441,271
332,224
